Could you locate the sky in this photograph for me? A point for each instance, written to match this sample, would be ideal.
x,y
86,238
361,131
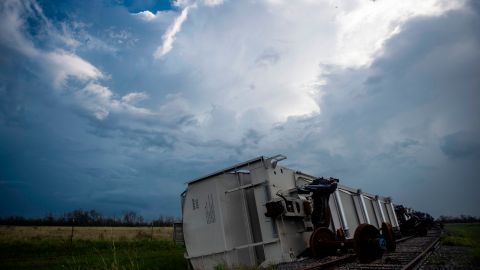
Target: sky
x,y
113,105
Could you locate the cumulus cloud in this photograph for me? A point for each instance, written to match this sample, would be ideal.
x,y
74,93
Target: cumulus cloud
x,y
213,2
62,65
378,93
404,125
97,99
162,16
276,61
135,97
362,30
101,101
146,15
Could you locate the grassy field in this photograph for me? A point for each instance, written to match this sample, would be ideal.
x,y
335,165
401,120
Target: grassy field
x,y
91,248
128,247
463,234
84,233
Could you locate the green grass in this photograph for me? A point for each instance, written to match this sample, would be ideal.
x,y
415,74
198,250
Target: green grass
x,y
86,254
57,253
463,234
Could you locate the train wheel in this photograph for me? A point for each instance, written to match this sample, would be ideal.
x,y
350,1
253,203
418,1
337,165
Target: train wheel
x,y
321,242
388,235
366,243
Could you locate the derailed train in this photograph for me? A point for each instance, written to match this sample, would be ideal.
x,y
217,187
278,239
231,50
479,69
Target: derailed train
x,y
258,213
413,222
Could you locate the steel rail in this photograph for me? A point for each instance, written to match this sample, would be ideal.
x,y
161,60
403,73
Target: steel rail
x,y
405,258
344,259
331,263
351,257
417,259
403,239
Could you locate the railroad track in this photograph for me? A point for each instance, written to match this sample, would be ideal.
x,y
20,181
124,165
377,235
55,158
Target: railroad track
x,y
409,254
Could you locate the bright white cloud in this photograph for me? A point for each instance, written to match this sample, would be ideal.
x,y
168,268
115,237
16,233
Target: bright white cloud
x,y
362,31
101,101
97,99
212,2
161,16
169,37
146,15
135,97
64,65
273,62
275,58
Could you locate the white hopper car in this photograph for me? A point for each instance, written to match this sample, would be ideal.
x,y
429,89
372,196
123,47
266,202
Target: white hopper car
x,y
225,219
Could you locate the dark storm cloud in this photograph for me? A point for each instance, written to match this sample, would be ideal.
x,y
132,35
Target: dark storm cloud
x,y
56,155
462,145
404,126
123,199
387,128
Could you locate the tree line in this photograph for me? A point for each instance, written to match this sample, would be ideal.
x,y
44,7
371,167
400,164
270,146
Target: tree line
x,y
459,219
80,217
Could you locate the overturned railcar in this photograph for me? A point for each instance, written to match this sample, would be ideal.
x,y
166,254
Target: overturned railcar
x,y
260,213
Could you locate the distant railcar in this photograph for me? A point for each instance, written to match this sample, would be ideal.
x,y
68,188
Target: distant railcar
x,y
413,222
